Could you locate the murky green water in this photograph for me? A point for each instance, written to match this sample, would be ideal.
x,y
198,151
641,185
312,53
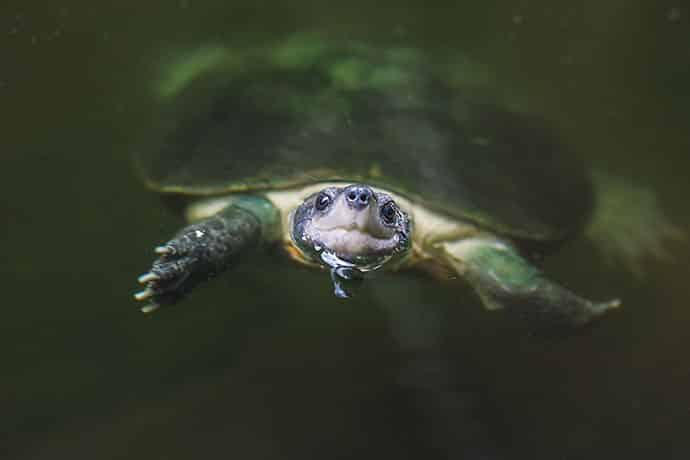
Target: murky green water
x,y
264,362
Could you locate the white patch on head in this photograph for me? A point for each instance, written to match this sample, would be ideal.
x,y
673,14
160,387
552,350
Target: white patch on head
x,y
342,216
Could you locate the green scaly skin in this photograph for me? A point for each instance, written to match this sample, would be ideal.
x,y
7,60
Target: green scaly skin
x,y
505,280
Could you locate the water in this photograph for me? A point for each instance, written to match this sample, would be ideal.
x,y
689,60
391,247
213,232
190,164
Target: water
x,y
265,362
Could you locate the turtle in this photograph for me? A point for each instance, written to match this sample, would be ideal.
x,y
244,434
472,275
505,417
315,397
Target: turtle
x,y
354,156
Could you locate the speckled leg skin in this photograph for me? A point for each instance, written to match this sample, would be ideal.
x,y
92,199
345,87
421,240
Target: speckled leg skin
x,y
198,252
503,279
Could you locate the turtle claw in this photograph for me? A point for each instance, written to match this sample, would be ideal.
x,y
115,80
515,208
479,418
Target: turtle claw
x,y
603,307
145,294
615,303
147,277
172,273
164,250
165,283
150,308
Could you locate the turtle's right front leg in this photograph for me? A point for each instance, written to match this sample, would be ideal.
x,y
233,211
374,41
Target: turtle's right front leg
x,y
204,249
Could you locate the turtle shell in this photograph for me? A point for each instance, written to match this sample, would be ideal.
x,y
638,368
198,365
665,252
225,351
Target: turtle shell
x,y
279,117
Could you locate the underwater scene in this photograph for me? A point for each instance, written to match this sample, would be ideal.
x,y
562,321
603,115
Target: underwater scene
x,y
289,230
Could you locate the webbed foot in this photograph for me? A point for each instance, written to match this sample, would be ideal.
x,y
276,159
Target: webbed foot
x,y
174,272
505,280
197,253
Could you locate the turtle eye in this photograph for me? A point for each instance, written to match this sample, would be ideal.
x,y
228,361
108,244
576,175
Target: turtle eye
x,y
322,201
389,211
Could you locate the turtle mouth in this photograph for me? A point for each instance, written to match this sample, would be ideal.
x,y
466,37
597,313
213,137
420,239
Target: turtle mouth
x,y
353,241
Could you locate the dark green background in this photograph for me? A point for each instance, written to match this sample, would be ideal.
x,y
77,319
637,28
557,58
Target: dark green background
x,y
265,363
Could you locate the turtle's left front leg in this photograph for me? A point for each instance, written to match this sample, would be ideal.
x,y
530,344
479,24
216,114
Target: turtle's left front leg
x,y
205,248
504,279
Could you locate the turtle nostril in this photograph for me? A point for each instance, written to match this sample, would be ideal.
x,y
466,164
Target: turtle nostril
x,y
359,196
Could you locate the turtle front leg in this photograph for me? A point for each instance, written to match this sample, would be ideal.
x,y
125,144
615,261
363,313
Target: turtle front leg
x,y
204,249
504,279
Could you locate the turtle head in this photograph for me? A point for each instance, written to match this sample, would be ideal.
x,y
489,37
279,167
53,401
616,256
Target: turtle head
x,y
353,227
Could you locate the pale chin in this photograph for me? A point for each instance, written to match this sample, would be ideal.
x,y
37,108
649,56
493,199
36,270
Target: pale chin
x,y
354,242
